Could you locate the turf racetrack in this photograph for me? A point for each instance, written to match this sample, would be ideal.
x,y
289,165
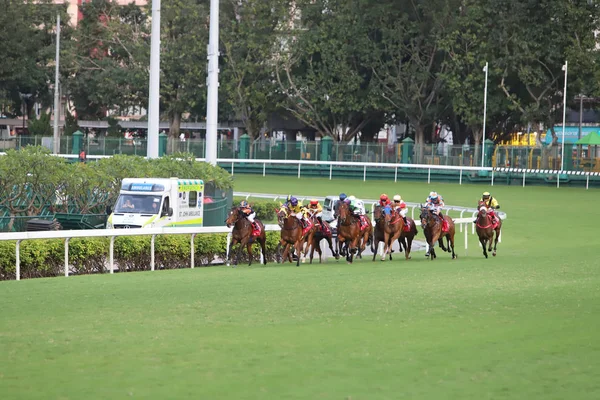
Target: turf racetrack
x,y
522,325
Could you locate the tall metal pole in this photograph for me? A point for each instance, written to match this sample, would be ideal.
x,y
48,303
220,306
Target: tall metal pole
x,y
580,115
212,107
56,140
562,151
154,95
485,69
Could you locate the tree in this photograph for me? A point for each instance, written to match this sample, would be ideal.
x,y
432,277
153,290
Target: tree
x,y
410,62
106,63
249,37
184,37
27,48
322,67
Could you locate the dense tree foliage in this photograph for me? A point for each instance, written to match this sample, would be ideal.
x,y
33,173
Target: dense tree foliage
x,y
342,67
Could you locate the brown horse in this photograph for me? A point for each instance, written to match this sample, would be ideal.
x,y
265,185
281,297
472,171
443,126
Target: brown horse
x,y
432,228
320,234
485,229
242,234
291,236
388,228
348,231
406,237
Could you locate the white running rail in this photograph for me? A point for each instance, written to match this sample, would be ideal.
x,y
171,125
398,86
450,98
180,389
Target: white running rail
x,y
113,233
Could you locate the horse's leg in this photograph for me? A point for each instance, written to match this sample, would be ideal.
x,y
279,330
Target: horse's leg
x,y
230,255
435,238
375,246
263,248
298,246
386,239
330,243
482,240
312,251
452,243
318,246
239,252
408,246
249,247
496,240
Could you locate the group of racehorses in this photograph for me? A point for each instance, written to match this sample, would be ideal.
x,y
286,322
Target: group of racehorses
x,y
353,235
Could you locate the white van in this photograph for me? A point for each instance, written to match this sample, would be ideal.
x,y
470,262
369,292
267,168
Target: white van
x,y
158,202
328,205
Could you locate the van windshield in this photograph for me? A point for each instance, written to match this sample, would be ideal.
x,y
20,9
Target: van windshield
x,y
138,204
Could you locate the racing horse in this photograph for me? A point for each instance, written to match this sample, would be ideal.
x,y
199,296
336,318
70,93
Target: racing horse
x,y
291,236
432,228
406,237
388,229
485,229
319,235
242,234
349,231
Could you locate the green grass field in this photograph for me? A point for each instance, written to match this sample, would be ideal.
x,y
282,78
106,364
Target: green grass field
x,y
523,325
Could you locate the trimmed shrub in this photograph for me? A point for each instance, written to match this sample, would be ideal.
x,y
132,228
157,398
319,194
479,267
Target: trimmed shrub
x,y
88,255
132,253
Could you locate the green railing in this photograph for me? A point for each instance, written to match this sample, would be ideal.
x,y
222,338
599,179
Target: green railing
x,y
577,158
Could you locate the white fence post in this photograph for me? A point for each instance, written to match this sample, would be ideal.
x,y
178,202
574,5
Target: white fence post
x,y
111,255
18,260
152,252
67,256
365,174
330,170
192,250
396,174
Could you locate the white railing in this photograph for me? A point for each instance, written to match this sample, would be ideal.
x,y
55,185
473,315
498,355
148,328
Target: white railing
x,y
461,169
395,167
113,233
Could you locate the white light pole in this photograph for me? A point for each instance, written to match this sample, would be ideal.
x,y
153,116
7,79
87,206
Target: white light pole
x,y
56,141
485,69
212,105
154,92
562,151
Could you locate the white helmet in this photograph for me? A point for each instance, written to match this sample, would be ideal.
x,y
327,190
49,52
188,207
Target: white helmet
x,y
397,198
351,198
432,194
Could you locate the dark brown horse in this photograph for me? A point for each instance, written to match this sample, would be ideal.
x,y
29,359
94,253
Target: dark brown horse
x,y
485,229
242,234
348,230
432,228
406,237
323,231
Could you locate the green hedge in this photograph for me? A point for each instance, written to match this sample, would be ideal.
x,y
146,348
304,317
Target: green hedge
x,y
45,258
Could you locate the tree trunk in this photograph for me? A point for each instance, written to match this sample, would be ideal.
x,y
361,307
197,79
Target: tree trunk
x,y
419,142
477,136
174,130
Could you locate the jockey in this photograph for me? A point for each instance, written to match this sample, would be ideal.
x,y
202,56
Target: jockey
x,y
287,200
315,208
248,212
435,203
385,203
491,204
336,207
400,207
296,209
356,206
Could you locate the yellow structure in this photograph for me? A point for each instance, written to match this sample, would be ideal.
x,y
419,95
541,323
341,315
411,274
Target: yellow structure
x,y
522,139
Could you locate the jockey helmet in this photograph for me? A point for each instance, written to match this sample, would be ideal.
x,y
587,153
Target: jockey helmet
x,y
383,197
343,196
243,203
486,195
397,198
289,197
433,195
294,201
314,202
351,198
